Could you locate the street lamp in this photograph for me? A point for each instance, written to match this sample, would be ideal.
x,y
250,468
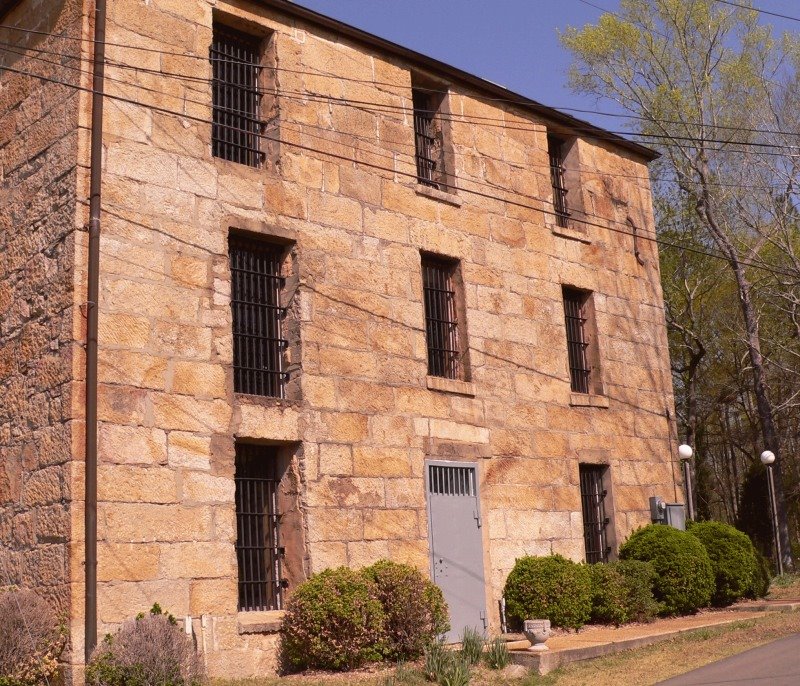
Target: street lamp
x,y
686,452
767,458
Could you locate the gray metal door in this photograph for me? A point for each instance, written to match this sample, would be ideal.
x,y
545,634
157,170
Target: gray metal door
x,y
454,524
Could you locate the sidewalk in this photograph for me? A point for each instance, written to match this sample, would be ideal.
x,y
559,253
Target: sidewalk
x,y
596,642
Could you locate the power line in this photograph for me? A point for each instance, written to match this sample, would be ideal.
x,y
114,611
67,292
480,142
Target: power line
x,y
756,9
395,172
588,129
372,141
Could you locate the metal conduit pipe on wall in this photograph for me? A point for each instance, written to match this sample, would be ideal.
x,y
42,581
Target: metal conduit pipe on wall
x,y
93,290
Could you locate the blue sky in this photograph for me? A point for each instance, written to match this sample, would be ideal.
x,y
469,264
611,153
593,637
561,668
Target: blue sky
x,y
511,42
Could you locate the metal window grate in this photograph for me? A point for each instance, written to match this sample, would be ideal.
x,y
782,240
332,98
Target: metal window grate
x,y
451,480
236,97
575,318
441,321
258,551
258,344
555,149
594,512
425,138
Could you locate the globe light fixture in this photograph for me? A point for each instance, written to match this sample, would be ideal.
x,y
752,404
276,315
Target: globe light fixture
x,y
685,452
767,459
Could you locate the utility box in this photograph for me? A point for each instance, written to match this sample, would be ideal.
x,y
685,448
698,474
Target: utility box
x,y
671,514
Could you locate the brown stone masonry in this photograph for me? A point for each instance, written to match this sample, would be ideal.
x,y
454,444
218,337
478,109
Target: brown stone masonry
x,y
360,414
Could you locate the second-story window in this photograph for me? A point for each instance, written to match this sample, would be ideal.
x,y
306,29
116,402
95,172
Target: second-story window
x,y
429,135
258,340
556,152
236,96
439,285
575,316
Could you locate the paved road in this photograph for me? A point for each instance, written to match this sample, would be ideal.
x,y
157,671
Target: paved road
x,y
776,664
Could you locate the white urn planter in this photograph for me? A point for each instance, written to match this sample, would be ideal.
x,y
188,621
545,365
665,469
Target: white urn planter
x,y
537,631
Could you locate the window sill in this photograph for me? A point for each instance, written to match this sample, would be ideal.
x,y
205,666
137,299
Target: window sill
x,y
443,196
587,400
439,383
268,622
572,234
264,400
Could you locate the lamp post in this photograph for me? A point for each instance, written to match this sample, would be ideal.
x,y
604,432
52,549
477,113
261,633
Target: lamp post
x,y
686,452
767,458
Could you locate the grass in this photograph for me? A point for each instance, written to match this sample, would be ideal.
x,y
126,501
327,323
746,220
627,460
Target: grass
x,y
785,587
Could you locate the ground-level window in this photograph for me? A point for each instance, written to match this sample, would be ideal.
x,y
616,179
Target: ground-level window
x,y
258,550
593,504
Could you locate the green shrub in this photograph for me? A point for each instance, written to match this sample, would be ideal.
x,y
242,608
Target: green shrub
x,y
763,578
496,655
471,646
733,560
333,621
551,588
415,609
684,580
640,605
31,639
150,649
609,595
622,592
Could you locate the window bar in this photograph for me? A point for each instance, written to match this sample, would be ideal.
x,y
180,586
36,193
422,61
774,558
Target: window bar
x,y
256,290
441,320
579,370
236,96
555,148
425,138
594,519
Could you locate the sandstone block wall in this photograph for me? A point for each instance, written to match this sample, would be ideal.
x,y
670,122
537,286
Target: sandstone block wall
x,y
361,415
38,313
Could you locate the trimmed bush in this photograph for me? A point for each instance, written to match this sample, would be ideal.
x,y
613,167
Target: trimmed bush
x,y
333,621
31,639
733,560
640,604
622,592
551,588
415,609
151,649
684,579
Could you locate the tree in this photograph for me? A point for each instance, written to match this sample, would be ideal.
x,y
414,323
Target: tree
x,y
698,75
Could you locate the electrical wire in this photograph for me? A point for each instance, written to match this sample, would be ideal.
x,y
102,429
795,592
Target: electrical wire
x,y
757,9
395,172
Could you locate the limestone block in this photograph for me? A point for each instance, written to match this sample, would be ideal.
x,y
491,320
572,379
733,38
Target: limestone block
x,y
189,450
411,552
213,596
370,398
364,553
124,330
136,484
185,413
121,601
343,427
277,423
131,444
145,522
389,524
199,487
202,380
194,560
402,493
335,459
329,524
377,461
345,492
132,368
127,561
326,555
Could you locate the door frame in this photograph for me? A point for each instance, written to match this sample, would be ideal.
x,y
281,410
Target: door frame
x,y
436,462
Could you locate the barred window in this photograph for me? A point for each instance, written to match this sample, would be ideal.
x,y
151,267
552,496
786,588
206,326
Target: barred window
x,y
441,317
577,340
258,550
236,96
258,341
425,138
555,150
595,522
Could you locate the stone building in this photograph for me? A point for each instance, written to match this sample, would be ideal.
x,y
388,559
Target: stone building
x,y
354,304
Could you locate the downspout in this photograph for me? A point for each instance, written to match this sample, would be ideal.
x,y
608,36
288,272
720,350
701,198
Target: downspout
x,y
93,291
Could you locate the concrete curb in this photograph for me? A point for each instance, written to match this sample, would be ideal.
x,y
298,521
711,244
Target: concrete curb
x,y
543,663
769,606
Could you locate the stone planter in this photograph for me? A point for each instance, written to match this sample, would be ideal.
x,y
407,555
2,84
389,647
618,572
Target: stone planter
x,y
537,631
